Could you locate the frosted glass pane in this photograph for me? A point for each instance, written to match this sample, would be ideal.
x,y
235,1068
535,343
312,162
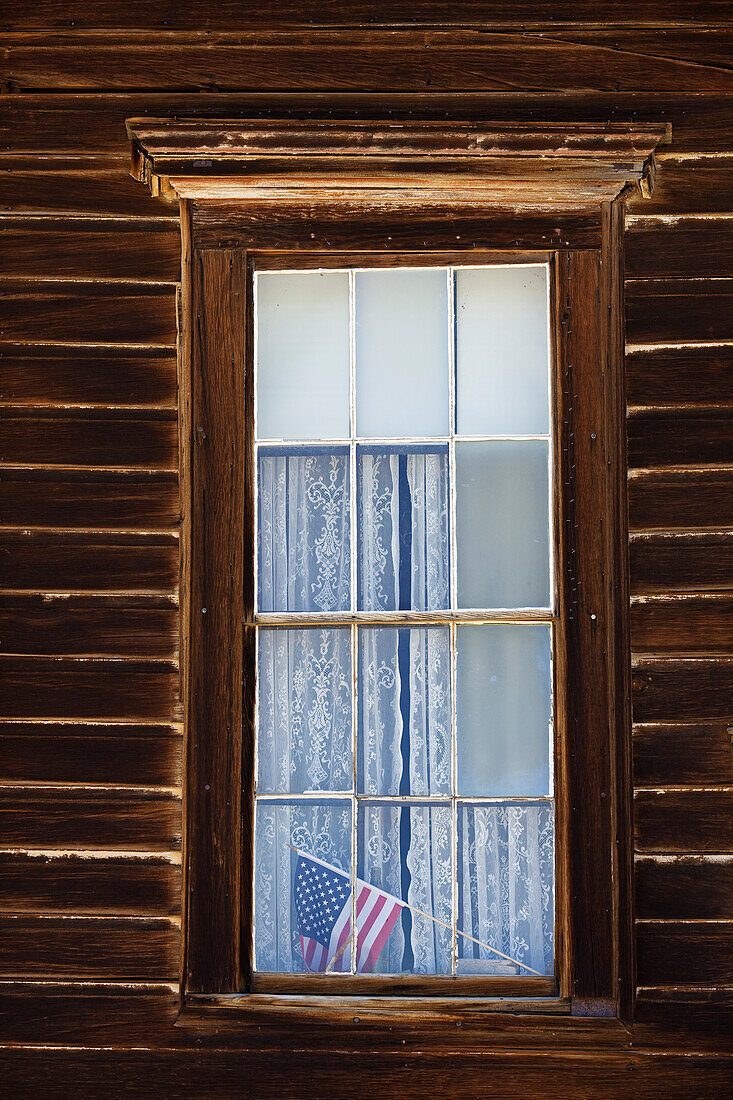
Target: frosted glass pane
x,y
506,896
405,850
504,710
319,829
303,536
404,736
502,517
401,353
403,504
304,711
501,351
303,355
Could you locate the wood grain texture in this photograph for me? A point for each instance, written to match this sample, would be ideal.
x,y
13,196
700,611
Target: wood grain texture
x,y
699,753
685,954
80,561
89,818
138,500
227,14
668,311
87,313
697,186
681,499
187,1076
683,248
666,690
683,562
144,440
92,885
381,60
70,687
113,626
690,887
85,248
115,754
48,376
86,947
684,821
676,438
98,186
682,625
680,376
95,124
215,588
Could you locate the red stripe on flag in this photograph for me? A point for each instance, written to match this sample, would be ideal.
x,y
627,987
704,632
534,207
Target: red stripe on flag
x,y
381,939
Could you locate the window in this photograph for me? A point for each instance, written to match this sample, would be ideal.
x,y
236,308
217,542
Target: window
x,y
405,612
358,208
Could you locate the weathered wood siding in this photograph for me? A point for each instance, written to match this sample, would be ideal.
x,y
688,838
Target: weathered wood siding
x,y
90,734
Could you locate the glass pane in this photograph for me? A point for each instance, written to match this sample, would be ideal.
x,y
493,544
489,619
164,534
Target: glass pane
x,y
320,829
303,355
403,528
504,689
503,524
502,353
405,850
303,537
404,742
402,353
304,740
506,863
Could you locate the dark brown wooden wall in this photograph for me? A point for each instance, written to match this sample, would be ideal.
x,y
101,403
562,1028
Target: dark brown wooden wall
x,y
90,733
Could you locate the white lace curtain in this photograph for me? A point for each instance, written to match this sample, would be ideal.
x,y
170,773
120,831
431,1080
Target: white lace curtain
x,y
403,723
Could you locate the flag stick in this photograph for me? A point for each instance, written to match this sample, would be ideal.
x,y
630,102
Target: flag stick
x,y
420,913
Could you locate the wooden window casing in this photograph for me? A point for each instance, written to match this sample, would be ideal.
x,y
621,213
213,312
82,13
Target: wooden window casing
x,y
273,194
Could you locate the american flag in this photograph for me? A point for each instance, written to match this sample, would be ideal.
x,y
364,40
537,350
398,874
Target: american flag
x,y
323,906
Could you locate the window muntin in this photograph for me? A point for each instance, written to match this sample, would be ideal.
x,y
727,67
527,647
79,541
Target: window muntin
x,y
379,635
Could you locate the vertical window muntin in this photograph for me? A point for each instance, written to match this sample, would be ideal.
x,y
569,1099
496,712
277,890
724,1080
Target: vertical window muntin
x,y
453,619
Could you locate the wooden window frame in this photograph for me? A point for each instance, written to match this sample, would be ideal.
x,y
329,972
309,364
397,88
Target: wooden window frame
x,y
347,194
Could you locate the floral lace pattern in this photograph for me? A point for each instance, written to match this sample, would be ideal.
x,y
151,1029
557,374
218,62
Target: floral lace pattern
x,y
321,829
423,694
304,711
505,883
303,538
403,530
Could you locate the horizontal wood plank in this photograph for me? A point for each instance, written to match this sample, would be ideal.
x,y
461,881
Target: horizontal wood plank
x,y
93,752
189,1075
683,752
83,438
683,499
114,626
67,687
696,186
669,311
90,884
88,818
45,377
684,625
683,821
92,186
679,954
87,313
667,690
693,887
683,248
85,947
73,561
82,248
62,124
677,376
440,60
684,562
91,499
663,438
